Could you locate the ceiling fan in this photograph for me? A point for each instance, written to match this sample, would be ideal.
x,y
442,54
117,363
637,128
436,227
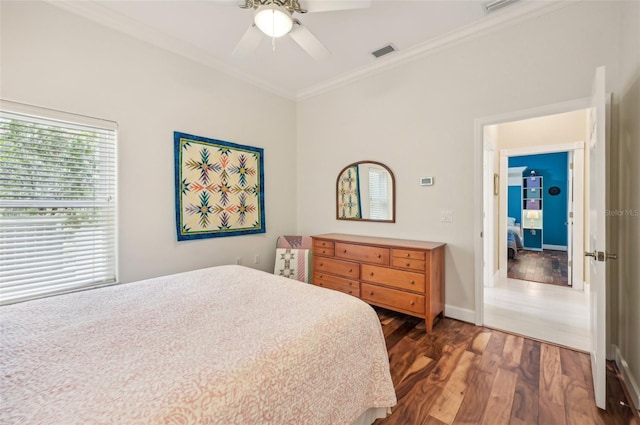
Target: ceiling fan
x,y
274,18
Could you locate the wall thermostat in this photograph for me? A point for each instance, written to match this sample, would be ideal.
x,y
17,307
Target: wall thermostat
x,y
426,181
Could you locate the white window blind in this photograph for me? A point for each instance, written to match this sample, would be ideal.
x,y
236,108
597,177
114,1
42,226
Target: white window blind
x,y
378,194
57,202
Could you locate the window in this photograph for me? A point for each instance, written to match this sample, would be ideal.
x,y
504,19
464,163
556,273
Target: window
x,y
57,202
378,194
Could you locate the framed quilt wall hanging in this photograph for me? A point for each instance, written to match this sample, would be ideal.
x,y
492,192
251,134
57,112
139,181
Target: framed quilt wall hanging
x,y
219,188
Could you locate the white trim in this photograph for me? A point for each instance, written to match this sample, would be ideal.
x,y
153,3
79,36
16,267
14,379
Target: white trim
x,y
554,247
458,313
534,150
627,378
54,114
478,137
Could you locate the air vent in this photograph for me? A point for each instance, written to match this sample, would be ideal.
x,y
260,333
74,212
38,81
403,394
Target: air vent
x,y
494,5
389,48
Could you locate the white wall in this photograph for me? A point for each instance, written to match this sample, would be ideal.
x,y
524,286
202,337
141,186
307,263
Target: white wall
x,y
418,119
627,288
54,59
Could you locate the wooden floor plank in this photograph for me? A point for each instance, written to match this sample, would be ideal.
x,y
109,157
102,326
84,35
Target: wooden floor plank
x,y
447,404
512,352
551,392
498,411
526,396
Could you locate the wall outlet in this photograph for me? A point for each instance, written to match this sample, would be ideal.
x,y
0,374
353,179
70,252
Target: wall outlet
x,y
446,216
256,260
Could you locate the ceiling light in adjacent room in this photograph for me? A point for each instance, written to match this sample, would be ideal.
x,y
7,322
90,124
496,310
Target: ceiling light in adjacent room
x,y
273,20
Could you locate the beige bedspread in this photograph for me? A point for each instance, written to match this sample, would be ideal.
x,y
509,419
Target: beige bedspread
x,y
224,345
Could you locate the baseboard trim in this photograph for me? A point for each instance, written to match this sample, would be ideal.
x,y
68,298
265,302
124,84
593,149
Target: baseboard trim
x,y
554,247
458,313
632,386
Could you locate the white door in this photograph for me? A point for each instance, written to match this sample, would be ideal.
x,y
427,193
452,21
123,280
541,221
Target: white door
x,y
597,234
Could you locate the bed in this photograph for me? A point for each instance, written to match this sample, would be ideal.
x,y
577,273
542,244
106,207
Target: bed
x,y
223,345
514,238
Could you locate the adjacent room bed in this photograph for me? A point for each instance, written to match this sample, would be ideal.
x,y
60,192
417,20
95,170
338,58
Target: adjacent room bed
x,y
223,345
514,238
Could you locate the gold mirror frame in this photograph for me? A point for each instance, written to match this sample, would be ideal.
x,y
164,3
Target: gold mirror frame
x,y
348,192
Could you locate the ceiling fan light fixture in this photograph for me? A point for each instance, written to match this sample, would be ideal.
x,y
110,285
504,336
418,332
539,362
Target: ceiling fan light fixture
x,y
273,20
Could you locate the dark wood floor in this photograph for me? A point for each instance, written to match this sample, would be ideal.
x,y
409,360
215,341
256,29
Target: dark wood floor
x,y
465,374
540,266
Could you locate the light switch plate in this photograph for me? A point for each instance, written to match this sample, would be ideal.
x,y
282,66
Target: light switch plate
x,y
446,216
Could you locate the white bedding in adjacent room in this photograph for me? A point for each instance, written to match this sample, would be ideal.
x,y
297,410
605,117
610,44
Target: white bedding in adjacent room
x,y
223,345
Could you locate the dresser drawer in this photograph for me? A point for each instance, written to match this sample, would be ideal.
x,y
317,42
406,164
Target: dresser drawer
x,y
408,263
391,277
321,247
347,286
339,267
392,298
366,254
408,254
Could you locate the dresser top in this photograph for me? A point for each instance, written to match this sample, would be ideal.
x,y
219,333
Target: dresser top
x,y
372,240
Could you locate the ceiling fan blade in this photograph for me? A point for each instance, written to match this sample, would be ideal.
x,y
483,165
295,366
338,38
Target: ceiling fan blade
x,y
309,42
249,42
330,5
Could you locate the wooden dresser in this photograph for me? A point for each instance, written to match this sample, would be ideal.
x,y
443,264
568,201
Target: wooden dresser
x,y
401,275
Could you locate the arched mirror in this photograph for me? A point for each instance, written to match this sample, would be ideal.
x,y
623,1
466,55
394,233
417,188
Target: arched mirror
x,y
365,191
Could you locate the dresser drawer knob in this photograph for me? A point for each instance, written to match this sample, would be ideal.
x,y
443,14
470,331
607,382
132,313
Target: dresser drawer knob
x,y
379,255
370,273
408,255
321,264
321,276
370,292
350,270
351,292
324,252
344,251
412,302
412,282
408,264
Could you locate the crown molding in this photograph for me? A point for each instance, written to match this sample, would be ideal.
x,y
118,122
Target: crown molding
x,y
502,19
134,28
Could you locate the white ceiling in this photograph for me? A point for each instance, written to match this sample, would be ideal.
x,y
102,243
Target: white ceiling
x,y
208,31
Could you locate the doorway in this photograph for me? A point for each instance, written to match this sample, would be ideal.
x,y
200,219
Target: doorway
x,y
539,213
555,313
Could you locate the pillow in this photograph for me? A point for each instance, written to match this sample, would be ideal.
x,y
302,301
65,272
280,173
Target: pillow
x,y
293,263
511,221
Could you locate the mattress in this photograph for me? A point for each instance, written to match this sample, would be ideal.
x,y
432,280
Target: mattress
x,y
223,345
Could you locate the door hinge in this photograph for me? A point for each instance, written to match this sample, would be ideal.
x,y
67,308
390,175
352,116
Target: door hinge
x,y
570,214
570,263
571,165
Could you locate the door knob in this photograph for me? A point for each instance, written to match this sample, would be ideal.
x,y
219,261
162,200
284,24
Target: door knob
x,y
590,254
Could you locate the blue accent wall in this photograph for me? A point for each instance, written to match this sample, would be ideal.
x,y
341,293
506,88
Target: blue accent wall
x,y
514,203
553,167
